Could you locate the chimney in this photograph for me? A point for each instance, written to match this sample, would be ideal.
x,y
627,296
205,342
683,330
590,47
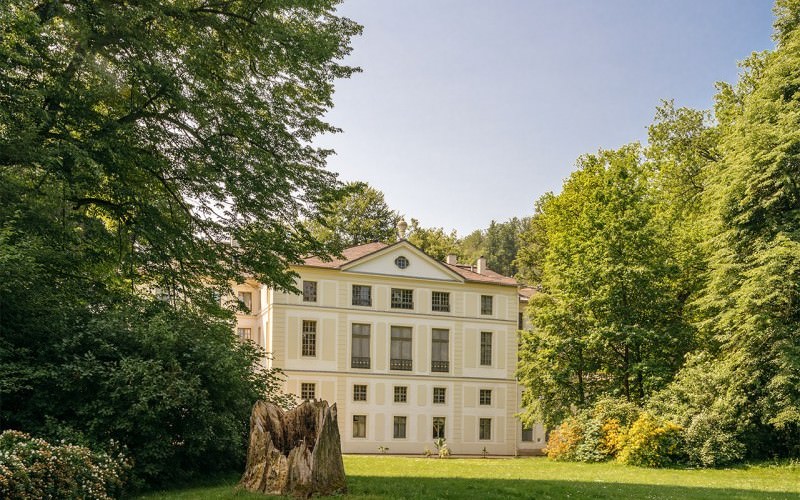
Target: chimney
x,y
481,264
451,259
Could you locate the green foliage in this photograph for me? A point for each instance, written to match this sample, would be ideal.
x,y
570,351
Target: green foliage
x,y
361,216
174,128
499,243
33,468
703,402
89,363
651,442
154,146
433,241
595,434
607,321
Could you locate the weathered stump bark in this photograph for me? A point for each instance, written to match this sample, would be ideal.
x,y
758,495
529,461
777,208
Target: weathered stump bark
x,y
296,452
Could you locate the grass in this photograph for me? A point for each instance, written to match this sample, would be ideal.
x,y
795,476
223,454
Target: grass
x,y
389,477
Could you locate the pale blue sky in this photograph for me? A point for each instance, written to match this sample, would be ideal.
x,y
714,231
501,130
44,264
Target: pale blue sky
x,y
468,111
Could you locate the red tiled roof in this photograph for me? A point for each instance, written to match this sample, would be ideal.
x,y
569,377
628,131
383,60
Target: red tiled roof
x,y
526,292
357,252
349,255
488,276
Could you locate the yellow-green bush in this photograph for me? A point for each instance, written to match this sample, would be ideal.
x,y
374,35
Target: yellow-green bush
x,y
564,440
613,437
651,442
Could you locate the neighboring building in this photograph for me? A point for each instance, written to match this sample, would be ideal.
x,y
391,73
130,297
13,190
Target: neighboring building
x,y
409,348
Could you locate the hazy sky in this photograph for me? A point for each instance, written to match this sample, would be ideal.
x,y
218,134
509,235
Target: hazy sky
x,y
468,111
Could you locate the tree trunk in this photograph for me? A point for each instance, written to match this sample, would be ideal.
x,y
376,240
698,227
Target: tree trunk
x,y
294,453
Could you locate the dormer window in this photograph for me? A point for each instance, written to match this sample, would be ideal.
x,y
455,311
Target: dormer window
x,y
401,262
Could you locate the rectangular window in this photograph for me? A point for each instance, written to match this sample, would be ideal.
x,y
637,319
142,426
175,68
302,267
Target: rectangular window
x,y
401,348
519,321
399,427
486,304
438,427
440,301
439,395
400,394
308,391
359,426
486,397
485,428
402,298
362,295
246,298
244,333
527,434
440,350
309,340
360,355
486,348
359,392
309,291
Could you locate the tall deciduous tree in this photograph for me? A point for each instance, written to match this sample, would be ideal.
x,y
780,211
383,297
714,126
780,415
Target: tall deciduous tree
x,y
361,216
605,322
180,125
153,144
751,303
433,241
499,243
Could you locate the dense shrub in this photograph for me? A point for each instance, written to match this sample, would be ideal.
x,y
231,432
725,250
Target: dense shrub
x,y
595,434
564,440
652,442
172,384
701,400
32,468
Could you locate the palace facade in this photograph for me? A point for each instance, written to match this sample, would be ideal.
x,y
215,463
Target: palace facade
x,y
409,348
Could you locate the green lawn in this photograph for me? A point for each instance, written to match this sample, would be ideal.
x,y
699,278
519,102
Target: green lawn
x,y
385,477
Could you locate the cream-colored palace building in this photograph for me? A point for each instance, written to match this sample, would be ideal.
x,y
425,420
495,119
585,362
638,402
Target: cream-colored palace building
x,y
409,349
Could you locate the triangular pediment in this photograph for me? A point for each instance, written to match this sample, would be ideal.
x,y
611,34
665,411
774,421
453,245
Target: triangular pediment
x,y
389,262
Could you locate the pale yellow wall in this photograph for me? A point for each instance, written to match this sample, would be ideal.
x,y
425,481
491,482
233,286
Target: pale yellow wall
x,y
281,318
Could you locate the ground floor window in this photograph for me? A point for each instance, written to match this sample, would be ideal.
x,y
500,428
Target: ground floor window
x,y
399,427
308,391
527,434
245,333
485,429
439,395
438,427
359,426
359,392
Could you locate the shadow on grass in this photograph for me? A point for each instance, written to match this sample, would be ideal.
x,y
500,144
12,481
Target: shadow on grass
x,y
458,488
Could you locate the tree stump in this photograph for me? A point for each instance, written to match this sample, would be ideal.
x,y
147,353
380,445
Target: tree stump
x,y
294,453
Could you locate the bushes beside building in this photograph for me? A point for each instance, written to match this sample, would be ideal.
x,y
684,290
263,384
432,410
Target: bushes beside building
x,y
614,429
32,468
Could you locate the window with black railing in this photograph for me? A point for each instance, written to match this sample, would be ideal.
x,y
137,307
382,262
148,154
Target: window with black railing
x,y
400,348
440,350
360,347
